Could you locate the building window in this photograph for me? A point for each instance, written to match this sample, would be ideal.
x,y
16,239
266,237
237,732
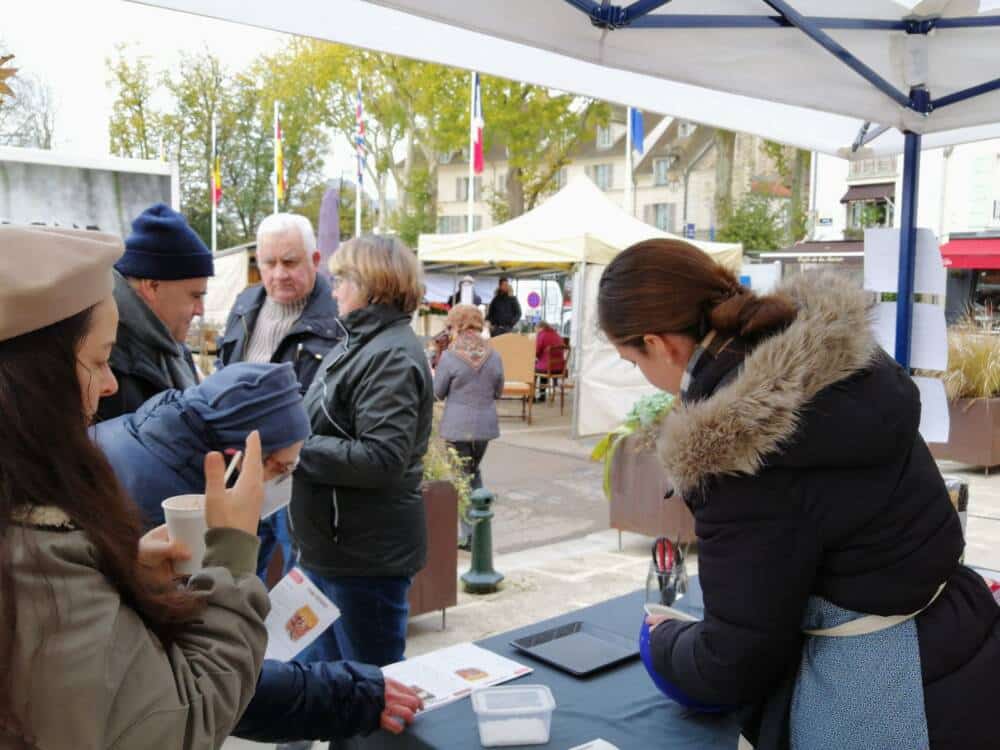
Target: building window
x,y
604,136
458,224
462,189
996,212
661,215
602,175
501,182
686,129
561,178
864,214
661,171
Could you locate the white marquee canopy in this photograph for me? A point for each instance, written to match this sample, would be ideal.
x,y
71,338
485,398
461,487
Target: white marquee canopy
x,y
756,75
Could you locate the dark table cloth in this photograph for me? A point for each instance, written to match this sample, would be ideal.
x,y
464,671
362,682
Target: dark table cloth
x,y
620,704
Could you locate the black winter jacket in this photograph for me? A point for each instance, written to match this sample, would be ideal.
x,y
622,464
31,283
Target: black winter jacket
x,y
503,313
357,508
801,459
305,345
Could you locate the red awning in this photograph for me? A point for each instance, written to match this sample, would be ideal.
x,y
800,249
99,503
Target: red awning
x,y
982,253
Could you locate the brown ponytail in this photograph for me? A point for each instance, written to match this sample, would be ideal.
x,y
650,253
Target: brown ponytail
x,y
670,286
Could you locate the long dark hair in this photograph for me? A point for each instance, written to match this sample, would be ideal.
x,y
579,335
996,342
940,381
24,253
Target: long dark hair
x,y
670,286
48,459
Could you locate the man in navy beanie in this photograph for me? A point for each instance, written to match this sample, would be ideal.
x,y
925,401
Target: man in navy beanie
x,y
160,285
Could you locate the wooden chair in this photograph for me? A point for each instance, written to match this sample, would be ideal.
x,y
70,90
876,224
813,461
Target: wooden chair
x,y
517,353
556,376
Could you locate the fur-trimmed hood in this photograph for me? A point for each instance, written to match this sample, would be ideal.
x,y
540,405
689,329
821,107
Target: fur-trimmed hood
x,y
752,417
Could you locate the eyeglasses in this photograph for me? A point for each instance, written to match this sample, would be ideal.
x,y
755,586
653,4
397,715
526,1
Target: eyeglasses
x,y
336,281
283,470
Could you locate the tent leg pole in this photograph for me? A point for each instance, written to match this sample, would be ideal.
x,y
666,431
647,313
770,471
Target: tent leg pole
x,y
907,247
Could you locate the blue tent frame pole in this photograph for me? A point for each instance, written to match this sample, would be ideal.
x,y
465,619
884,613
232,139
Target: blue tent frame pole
x,y
907,247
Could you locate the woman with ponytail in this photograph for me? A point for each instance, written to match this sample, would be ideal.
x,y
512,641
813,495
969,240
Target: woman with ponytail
x,y
99,647
837,613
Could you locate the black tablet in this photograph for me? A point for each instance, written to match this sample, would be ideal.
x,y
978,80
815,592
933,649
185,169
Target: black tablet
x,y
578,647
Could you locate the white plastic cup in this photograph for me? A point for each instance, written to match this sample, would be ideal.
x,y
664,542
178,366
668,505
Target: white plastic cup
x,y
185,517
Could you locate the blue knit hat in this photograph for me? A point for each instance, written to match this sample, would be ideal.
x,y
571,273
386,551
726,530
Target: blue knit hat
x,y
251,396
162,246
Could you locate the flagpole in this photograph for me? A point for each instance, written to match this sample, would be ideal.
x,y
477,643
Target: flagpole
x,y
472,148
358,192
214,188
277,176
629,204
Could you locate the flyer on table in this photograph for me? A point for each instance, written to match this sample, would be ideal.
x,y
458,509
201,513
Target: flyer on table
x,y
452,673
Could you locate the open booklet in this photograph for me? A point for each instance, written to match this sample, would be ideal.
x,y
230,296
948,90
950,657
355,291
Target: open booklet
x,y
450,674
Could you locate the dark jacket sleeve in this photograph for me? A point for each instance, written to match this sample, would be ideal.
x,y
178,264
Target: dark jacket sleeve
x,y
757,559
517,312
222,355
320,701
386,405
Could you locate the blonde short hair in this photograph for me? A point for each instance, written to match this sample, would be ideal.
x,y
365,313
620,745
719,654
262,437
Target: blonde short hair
x,y
465,318
385,269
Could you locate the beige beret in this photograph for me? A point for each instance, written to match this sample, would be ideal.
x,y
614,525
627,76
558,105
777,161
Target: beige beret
x,y
49,274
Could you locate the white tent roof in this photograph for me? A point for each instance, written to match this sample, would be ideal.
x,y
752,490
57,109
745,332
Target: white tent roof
x,y
772,81
578,224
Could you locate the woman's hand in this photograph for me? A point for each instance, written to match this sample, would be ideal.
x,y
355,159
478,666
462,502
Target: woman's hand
x,y
401,706
654,620
157,554
238,508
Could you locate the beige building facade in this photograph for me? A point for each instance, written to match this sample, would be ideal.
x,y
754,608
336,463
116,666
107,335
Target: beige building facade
x,y
674,177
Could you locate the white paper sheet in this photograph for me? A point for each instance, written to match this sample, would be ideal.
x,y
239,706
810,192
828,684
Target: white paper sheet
x,y
450,674
929,341
935,423
882,262
299,614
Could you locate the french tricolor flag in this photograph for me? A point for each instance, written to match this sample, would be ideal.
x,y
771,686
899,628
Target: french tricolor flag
x,y
476,126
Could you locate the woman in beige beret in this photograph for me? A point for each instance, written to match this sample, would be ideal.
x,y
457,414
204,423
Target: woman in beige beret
x,y
99,647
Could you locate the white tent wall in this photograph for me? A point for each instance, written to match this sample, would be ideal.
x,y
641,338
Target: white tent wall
x,y
606,385
231,278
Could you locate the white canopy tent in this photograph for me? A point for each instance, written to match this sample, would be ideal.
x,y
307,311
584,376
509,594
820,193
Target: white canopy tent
x,y
754,74
826,75
580,230
579,224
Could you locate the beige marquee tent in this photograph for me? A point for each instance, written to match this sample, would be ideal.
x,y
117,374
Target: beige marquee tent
x,y
579,230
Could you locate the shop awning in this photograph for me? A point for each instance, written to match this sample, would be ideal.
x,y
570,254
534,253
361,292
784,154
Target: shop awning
x,y
981,253
877,192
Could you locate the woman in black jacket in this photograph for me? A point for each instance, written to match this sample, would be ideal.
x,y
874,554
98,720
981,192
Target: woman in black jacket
x,y
816,504
357,512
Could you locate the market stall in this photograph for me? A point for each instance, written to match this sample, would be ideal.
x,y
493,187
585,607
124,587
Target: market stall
x,y
578,230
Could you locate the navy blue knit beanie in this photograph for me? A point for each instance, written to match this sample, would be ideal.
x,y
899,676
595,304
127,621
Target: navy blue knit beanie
x,y
247,396
162,246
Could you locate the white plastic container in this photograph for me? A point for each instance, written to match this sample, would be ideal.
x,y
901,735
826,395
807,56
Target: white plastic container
x,y
513,714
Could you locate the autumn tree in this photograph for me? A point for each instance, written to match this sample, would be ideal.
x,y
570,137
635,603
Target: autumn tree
x,y
539,130
27,111
242,103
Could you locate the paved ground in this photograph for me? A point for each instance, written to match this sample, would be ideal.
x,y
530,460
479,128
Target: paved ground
x,y
555,549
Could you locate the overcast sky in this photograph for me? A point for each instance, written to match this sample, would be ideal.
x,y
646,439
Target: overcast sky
x,y
66,43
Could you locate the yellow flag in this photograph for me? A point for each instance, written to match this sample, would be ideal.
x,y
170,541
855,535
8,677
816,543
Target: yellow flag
x,y
279,164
